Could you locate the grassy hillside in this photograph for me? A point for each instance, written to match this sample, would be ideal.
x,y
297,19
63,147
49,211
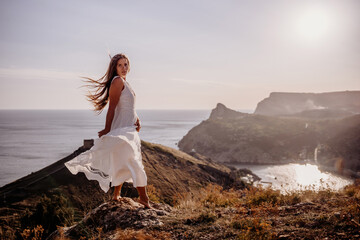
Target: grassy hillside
x,y
53,196
215,213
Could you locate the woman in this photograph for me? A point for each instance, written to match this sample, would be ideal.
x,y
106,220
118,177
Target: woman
x,y
116,155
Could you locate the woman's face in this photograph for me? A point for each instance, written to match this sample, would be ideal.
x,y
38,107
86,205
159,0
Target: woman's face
x,y
122,67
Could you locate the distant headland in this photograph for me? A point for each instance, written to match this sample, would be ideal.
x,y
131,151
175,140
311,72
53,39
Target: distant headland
x,y
343,103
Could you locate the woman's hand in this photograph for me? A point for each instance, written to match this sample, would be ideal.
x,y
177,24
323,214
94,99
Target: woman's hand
x,y
103,132
137,124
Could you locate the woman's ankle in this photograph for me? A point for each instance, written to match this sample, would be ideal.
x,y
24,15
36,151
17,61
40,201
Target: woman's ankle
x,y
144,199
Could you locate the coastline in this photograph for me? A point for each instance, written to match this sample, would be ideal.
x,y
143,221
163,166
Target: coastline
x,y
346,172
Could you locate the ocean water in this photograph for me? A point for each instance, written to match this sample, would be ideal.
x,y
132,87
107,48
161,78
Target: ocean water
x,y
33,139
296,177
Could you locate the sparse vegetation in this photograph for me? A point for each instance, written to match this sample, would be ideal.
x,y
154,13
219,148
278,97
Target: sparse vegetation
x,y
153,194
33,234
215,213
215,196
131,234
51,211
263,213
253,228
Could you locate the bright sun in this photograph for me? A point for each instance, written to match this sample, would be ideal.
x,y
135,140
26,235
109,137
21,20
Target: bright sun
x,y
313,25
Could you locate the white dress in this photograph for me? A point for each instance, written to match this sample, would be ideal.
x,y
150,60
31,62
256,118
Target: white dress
x,y
116,156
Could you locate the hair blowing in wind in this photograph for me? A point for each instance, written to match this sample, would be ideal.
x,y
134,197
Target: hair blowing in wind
x,y
100,94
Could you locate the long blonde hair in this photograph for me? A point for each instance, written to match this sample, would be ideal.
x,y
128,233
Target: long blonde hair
x,y
100,96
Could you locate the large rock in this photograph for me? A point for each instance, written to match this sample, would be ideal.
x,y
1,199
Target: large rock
x,y
331,103
113,215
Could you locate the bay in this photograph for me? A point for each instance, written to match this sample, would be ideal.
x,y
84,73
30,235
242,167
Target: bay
x,y
294,177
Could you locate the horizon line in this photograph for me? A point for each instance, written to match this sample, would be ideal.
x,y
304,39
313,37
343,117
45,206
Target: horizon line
x,y
140,109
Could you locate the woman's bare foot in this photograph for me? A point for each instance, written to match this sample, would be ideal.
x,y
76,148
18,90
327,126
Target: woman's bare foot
x,y
117,192
143,197
145,203
117,198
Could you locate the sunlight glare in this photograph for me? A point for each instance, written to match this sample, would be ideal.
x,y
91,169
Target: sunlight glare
x,y
307,175
313,25
294,177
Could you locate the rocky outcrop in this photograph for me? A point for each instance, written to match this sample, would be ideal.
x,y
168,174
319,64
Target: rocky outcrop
x,y
115,215
222,112
332,103
260,139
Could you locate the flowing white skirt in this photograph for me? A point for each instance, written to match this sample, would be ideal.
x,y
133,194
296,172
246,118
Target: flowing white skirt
x,y
114,159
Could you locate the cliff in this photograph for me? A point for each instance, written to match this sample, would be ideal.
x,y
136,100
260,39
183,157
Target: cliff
x,y
332,103
259,139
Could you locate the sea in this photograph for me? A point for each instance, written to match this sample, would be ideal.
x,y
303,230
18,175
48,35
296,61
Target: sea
x,y
33,139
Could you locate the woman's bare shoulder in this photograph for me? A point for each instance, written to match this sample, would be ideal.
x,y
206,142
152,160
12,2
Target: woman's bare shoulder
x,y
117,82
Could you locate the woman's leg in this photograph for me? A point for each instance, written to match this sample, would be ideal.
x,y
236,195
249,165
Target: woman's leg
x,y
117,192
144,199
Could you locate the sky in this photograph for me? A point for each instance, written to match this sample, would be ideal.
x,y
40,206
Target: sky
x,y
183,54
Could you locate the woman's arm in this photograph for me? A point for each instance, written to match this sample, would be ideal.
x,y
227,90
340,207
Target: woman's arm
x,y
114,95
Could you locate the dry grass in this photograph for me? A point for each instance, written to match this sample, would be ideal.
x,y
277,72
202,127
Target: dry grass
x,y
131,234
213,196
263,213
252,213
253,228
33,234
153,194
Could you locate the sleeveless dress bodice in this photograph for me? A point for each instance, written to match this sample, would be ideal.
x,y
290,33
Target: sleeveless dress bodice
x,y
125,114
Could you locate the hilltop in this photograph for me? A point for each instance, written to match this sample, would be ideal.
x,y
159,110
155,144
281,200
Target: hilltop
x,y
171,173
